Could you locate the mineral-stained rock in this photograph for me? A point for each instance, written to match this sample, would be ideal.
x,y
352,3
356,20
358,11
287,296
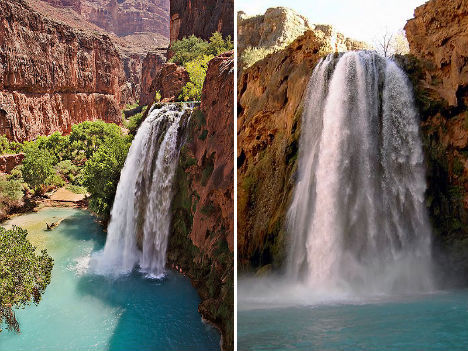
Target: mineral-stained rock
x,y
202,238
201,18
52,76
8,162
438,33
152,65
438,68
270,98
169,81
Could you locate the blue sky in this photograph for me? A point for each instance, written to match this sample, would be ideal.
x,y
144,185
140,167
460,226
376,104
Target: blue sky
x,y
359,19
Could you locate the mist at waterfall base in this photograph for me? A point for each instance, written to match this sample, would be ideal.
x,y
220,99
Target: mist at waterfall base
x,y
358,268
140,218
84,311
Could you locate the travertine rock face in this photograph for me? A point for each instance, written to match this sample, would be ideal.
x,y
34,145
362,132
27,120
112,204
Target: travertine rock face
x,y
270,98
438,67
201,18
261,35
278,27
152,64
52,76
169,81
438,33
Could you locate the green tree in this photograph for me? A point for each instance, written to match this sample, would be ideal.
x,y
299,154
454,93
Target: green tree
x,y
11,194
87,137
101,174
56,144
188,49
24,275
197,73
217,45
37,167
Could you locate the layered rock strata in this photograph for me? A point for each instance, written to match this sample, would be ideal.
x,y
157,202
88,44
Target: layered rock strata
x,y
52,76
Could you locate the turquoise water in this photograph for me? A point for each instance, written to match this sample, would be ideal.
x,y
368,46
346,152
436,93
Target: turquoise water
x,y
81,311
422,323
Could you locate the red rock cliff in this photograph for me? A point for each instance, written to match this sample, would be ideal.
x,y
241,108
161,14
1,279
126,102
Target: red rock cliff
x,y
201,18
438,67
122,17
52,76
202,238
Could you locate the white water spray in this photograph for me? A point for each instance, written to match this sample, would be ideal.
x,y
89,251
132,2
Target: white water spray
x,y
358,221
140,218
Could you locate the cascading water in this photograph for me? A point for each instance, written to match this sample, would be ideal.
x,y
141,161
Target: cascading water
x,y
140,217
357,221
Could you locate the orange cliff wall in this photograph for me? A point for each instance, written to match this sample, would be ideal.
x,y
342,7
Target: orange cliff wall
x,y
52,76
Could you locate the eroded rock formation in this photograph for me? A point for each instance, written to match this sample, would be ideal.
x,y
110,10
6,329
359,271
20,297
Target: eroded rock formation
x,y
438,67
202,238
201,18
151,67
270,95
122,17
52,76
261,35
169,81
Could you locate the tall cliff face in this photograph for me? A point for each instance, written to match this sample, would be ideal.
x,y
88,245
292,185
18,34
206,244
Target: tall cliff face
x,y
270,95
202,237
122,17
438,67
52,76
201,18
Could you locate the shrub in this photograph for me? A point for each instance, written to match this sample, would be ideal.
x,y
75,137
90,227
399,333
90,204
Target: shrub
x,y
197,73
67,170
37,167
11,194
135,121
9,147
24,275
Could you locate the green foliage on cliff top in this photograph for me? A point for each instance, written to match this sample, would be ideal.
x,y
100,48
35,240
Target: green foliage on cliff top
x,y
196,69
24,275
194,54
192,48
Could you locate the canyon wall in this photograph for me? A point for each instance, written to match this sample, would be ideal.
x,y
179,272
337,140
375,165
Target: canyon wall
x,y
438,68
270,95
202,237
122,17
201,18
52,76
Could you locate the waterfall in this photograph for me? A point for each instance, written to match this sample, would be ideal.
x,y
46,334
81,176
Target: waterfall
x,y
140,217
358,221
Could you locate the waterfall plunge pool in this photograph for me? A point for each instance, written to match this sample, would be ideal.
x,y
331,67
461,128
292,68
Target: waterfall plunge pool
x,y
82,311
429,322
